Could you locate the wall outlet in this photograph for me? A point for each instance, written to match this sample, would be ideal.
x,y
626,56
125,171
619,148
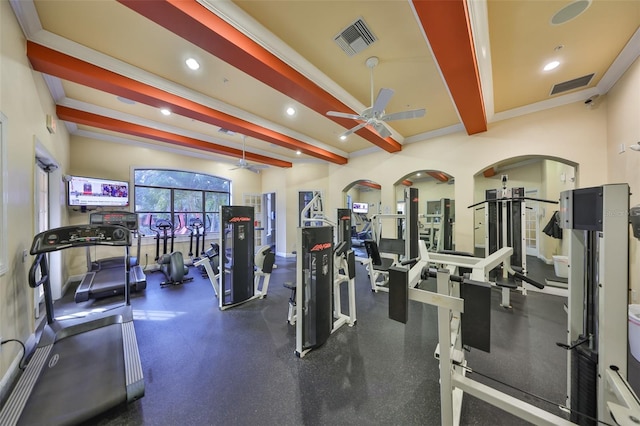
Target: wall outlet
x,y
25,253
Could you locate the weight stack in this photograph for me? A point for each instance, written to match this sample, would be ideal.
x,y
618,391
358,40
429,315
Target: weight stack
x,y
584,389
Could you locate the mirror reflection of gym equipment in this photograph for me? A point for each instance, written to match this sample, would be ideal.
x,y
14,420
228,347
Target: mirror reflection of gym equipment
x,y
438,226
383,251
597,388
363,198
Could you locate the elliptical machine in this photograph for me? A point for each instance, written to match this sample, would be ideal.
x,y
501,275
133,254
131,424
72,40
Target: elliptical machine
x,y
196,231
172,263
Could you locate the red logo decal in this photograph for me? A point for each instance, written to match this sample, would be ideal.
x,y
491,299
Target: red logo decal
x,y
321,246
240,219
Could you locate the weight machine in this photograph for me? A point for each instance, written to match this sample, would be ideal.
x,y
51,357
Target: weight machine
x,y
505,220
405,246
597,322
238,280
321,269
439,220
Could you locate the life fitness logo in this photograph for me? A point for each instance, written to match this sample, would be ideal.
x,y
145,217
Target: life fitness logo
x,y
320,247
240,219
54,360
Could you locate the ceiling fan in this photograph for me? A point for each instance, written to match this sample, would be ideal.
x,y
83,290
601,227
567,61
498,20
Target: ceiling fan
x,y
243,164
375,115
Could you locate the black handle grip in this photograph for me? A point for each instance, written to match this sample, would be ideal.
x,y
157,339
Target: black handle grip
x,y
524,278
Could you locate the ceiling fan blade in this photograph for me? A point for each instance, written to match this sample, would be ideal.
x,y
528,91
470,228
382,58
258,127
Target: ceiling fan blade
x,y
415,113
344,115
382,130
384,96
354,129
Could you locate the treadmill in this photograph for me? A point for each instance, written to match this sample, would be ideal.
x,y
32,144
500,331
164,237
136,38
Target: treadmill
x,y
82,366
105,277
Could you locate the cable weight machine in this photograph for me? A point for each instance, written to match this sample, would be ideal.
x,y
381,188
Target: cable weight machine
x,y
505,220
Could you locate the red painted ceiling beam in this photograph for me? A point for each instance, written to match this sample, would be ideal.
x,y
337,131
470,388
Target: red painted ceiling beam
x,y
369,184
196,24
491,171
66,67
446,24
407,182
112,124
439,176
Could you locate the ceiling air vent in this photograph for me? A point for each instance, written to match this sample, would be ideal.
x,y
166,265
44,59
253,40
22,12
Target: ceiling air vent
x,y
355,38
226,131
571,84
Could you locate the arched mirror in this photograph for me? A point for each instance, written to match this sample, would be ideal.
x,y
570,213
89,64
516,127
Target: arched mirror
x,y
363,197
436,208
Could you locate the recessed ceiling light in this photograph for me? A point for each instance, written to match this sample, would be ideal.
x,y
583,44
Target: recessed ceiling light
x,y
192,64
418,174
165,111
343,137
551,65
291,111
298,152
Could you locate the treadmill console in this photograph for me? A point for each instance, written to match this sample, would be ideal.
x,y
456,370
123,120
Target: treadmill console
x,y
80,236
127,219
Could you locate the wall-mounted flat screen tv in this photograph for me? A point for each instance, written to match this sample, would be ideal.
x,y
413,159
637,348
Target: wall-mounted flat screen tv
x,y
360,207
96,192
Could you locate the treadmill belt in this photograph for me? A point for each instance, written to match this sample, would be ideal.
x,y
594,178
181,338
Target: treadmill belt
x,y
62,395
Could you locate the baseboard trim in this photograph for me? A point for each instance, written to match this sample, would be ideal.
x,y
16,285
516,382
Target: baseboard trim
x,y
12,373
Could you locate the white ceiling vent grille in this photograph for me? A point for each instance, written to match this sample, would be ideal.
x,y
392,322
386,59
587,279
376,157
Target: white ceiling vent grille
x,y
571,84
355,38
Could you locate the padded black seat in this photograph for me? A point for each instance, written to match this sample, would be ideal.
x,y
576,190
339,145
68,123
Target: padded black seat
x,y
506,282
379,263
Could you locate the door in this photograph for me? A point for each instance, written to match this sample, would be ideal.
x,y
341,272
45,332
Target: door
x,y
269,204
531,224
42,221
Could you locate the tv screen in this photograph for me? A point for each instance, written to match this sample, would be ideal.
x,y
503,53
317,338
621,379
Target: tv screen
x,y
360,207
95,192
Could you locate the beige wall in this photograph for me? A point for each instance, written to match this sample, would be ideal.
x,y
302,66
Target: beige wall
x,y
97,158
25,101
572,133
623,128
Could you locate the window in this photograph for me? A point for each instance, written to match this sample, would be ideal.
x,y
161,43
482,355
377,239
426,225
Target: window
x,y
3,202
180,197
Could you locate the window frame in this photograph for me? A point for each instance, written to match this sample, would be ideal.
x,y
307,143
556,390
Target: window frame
x,y
172,212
